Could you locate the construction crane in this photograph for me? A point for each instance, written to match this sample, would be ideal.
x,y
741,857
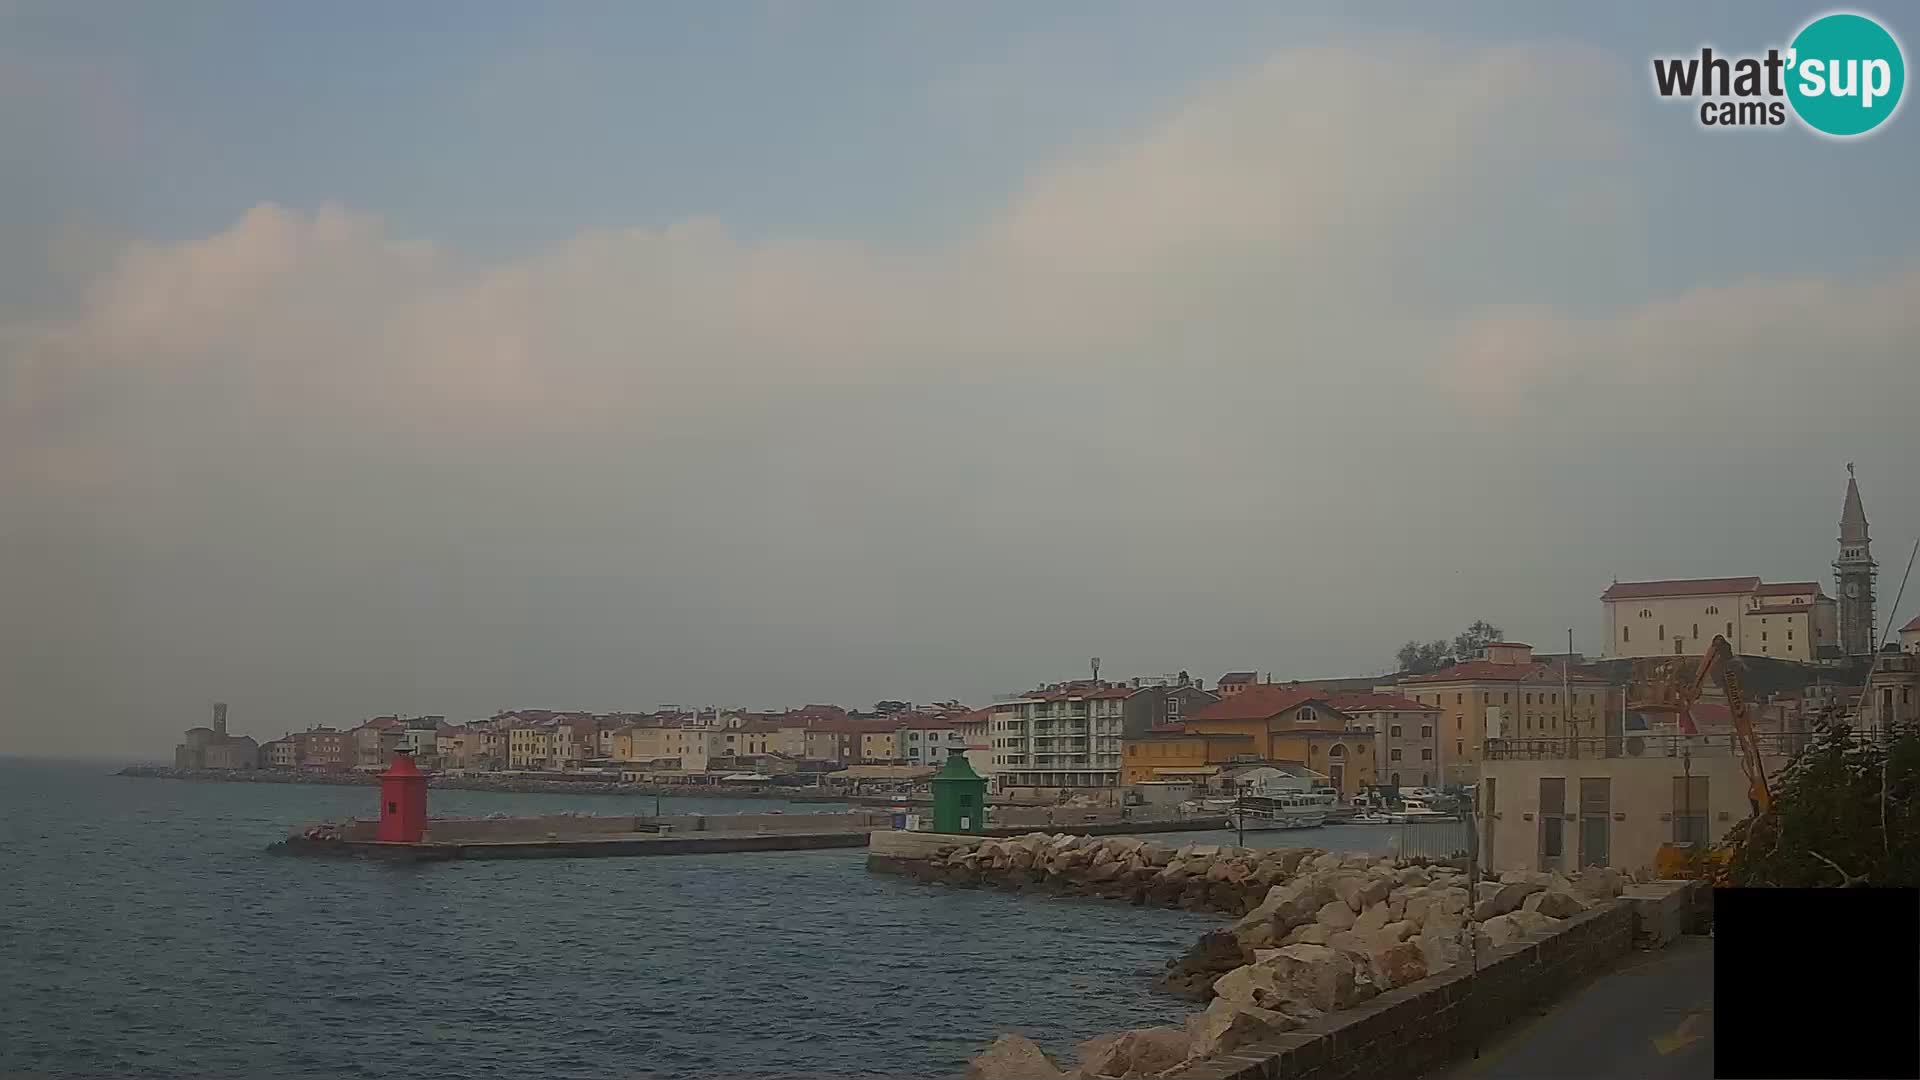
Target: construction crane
x,y
1677,696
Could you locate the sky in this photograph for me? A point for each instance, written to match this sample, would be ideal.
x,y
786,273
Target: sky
x,y
442,358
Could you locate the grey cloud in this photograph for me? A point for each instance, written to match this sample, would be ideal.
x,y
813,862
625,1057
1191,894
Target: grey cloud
x,y
1289,377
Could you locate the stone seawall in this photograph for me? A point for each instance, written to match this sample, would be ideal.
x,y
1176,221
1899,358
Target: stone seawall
x,y
1196,877
1320,938
1423,1025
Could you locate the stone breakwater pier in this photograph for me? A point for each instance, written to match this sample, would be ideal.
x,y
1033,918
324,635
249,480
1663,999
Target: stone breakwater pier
x,y
589,836
1337,965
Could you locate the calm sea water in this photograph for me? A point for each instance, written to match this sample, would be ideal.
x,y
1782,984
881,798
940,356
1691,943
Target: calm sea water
x,y
144,932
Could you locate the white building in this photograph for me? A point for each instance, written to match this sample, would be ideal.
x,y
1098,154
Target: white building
x,y
1058,741
1787,621
925,740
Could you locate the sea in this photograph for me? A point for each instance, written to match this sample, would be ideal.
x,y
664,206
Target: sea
x,y
146,932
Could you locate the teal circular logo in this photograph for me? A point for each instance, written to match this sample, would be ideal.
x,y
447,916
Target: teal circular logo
x,y
1845,74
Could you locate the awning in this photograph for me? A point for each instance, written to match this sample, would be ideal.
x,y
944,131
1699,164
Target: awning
x,y
1187,770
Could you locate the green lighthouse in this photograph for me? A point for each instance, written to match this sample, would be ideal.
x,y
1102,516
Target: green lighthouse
x,y
959,797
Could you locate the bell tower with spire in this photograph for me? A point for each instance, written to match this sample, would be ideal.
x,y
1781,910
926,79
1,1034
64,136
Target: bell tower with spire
x,y
1853,574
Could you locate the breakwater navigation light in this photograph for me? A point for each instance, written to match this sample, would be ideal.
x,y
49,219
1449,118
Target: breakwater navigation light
x,y
959,796
403,802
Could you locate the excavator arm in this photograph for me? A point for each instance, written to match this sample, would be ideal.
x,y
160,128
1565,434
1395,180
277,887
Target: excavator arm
x,y
1718,665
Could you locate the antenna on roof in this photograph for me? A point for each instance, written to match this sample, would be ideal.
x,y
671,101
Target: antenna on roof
x,y
1096,669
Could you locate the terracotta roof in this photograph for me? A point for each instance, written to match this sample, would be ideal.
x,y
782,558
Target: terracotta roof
x,y
1376,702
1179,731
1789,588
1236,677
1646,590
1488,671
1259,701
1911,626
930,723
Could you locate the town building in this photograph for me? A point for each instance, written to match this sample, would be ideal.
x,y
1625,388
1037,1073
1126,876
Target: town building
x,y
1060,740
529,745
1293,725
375,741
1234,682
213,748
880,741
282,753
1557,805
1893,693
973,727
1853,573
1406,740
1171,754
925,739
324,748
1508,695
1910,636
1161,701
1792,620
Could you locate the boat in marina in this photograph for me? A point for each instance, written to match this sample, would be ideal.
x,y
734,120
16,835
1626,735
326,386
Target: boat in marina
x,y
1281,810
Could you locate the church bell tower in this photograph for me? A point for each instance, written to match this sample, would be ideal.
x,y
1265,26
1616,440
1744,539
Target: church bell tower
x,y
1853,574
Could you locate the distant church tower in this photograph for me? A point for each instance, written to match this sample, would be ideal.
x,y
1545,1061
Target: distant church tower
x,y
1853,574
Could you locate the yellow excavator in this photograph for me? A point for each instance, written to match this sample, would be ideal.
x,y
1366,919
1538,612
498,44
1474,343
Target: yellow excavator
x,y
1676,694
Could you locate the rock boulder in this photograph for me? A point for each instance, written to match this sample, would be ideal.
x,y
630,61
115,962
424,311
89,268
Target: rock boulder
x,y
1143,1052
1555,904
1013,1057
1227,1025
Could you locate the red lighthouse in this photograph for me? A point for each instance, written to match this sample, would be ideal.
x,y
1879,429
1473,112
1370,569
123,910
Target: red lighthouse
x,y
403,802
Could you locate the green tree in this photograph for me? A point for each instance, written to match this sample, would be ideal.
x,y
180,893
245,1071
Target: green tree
x,y
1419,658
1844,813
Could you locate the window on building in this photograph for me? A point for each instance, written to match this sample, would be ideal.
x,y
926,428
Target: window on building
x,y
1393,755
1426,754
1626,633
1393,732
1426,731
1696,630
1504,696
1729,631
1459,699
1529,699
1553,809
1663,632
1690,810
1459,748
1789,633
1763,635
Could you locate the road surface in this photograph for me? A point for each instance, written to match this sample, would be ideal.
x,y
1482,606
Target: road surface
x,y
1650,1018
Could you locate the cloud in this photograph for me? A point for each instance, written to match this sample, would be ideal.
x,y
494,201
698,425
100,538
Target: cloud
x,y
1186,394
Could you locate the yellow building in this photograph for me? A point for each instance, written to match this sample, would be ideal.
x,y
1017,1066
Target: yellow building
x,y
1261,723
1177,755
529,747
1508,696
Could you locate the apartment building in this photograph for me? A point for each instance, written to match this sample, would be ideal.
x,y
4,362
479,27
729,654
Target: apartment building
x,y
1060,740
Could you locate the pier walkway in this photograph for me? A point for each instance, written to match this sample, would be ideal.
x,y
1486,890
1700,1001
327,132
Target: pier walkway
x,y
1650,1018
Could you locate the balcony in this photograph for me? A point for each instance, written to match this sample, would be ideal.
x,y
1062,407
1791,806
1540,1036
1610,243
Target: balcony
x,y
1772,744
